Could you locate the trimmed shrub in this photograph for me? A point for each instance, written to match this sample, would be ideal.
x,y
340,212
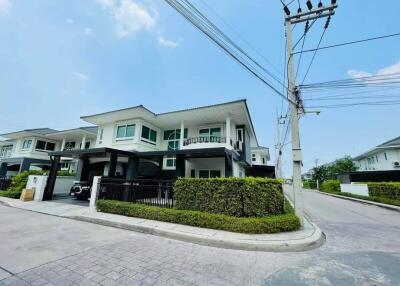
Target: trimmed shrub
x,y
240,197
372,199
310,184
18,183
272,224
384,190
331,186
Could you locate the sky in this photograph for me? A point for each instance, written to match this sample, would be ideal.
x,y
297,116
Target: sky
x,y
60,60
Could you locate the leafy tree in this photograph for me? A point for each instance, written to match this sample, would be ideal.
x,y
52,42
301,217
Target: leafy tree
x,y
320,173
341,166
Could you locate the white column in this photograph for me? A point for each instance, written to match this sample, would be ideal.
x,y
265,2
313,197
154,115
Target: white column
x,y
182,135
228,132
63,144
94,193
83,142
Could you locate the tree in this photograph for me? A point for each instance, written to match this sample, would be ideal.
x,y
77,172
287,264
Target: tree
x,y
341,166
320,173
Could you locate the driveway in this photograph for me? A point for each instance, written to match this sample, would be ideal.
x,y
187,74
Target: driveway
x,y
363,248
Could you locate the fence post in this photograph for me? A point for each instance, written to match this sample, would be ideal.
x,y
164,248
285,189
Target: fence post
x,y
127,187
166,192
95,192
159,191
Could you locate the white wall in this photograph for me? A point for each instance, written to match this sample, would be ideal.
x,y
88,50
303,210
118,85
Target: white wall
x,y
237,170
259,155
32,153
61,188
378,161
205,164
354,188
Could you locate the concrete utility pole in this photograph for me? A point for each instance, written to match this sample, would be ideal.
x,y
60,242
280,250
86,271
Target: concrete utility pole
x,y
296,110
278,149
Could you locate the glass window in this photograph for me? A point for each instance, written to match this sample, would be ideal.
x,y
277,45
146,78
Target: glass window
x,y
193,173
204,173
204,133
121,131
124,132
41,145
26,144
50,146
149,134
253,157
385,157
69,145
215,132
101,134
87,145
215,174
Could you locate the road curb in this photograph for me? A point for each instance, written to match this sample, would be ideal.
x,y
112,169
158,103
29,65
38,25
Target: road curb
x,y
381,205
310,242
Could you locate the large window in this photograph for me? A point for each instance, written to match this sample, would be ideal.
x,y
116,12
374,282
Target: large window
x,y
125,132
26,145
45,146
149,135
210,134
169,162
209,173
173,137
69,145
253,157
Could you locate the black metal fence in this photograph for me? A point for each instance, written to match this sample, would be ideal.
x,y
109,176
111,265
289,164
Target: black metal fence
x,y
5,182
141,191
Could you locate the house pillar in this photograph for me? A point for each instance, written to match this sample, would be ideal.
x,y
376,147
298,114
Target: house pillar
x,y
25,164
3,169
181,135
63,144
51,180
180,166
113,165
228,166
228,131
132,169
83,143
82,170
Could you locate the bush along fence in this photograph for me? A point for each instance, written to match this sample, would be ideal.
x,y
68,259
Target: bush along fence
x,y
248,197
384,190
331,186
310,184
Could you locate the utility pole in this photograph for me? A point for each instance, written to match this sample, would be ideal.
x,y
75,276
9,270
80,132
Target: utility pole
x,y
297,109
278,148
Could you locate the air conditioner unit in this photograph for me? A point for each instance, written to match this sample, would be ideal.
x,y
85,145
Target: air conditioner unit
x,y
396,164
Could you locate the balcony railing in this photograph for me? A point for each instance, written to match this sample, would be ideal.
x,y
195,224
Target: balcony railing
x,y
5,152
205,139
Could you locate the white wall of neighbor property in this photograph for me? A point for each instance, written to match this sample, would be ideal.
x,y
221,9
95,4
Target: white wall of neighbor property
x,y
61,188
355,189
378,161
237,170
259,155
205,164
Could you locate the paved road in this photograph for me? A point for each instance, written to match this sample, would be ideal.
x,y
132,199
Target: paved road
x,y
363,248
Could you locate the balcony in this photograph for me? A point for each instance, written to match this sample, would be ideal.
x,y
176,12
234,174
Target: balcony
x,y
204,140
5,152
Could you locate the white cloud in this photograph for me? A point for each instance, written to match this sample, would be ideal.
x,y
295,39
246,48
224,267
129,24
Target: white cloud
x,y
168,43
87,31
5,6
129,17
81,76
386,71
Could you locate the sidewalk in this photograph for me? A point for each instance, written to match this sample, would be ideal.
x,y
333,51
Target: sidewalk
x,y
381,205
310,237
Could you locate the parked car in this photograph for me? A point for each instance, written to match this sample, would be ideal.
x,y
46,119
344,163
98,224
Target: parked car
x,y
80,190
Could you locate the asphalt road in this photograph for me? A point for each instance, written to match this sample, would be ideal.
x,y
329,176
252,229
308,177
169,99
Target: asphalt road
x,y
362,248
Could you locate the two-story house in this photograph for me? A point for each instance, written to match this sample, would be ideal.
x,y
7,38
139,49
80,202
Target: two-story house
x,y
210,141
28,149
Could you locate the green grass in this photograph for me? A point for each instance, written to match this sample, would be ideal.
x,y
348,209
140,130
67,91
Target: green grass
x,y
372,199
270,224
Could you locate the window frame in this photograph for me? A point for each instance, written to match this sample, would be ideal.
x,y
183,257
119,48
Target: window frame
x,y
46,144
125,137
170,158
209,127
209,173
151,131
29,147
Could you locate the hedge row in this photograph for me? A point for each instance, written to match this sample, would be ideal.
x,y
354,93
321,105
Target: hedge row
x,y
372,199
384,190
310,184
331,186
18,183
273,224
240,197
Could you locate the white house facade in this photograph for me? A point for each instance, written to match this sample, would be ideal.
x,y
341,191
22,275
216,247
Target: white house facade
x,y
384,157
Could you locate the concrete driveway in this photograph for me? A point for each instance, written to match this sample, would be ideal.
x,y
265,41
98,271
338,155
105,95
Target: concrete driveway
x,y
363,248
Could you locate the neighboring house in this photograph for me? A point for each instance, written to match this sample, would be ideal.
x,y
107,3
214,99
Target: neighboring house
x,y
28,149
384,157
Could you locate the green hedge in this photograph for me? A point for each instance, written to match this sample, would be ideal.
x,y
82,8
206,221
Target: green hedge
x,y
310,184
331,186
18,183
241,197
384,190
372,199
272,224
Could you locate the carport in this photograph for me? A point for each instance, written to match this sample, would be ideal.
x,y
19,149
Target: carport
x,y
91,162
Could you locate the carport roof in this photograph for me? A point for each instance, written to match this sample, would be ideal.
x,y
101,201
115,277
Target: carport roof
x,y
91,151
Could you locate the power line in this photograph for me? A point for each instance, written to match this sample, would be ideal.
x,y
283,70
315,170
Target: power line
x,y
201,22
372,103
351,43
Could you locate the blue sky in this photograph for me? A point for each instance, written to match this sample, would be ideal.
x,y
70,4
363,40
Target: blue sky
x,y
63,59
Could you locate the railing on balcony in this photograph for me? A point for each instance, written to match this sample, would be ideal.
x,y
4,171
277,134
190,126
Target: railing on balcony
x,y
206,139
148,192
5,152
